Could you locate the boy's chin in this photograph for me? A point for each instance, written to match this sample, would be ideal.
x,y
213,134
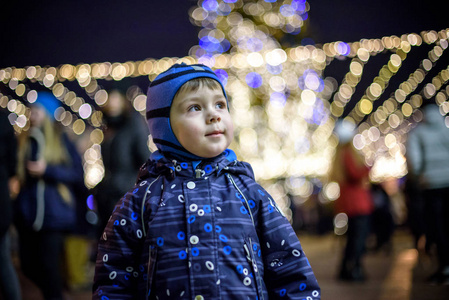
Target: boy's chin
x,y
211,154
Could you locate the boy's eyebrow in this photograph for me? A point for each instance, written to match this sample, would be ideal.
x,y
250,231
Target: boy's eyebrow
x,y
195,97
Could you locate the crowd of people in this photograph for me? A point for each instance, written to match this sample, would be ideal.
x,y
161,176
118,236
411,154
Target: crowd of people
x,y
43,200
427,156
373,209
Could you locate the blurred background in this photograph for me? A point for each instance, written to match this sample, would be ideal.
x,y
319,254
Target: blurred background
x,y
292,68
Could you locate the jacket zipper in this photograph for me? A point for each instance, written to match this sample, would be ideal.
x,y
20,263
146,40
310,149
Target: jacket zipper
x,y
151,268
252,260
143,206
249,252
246,201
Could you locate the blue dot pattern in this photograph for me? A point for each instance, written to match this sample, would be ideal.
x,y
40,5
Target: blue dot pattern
x,y
175,236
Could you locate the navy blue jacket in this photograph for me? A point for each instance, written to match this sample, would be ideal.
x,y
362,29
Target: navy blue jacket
x,y
39,205
200,230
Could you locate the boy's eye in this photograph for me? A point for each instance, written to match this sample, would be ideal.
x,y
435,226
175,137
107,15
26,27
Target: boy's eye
x,y
194,108
221,105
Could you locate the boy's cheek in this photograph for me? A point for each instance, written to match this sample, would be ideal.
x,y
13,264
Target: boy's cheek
x,y
231,132
230,128
193,132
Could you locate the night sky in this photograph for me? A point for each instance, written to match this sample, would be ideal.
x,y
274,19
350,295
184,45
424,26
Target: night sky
x,y
88,31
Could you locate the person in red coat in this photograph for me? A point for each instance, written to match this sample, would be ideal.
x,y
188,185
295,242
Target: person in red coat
x,y
355,200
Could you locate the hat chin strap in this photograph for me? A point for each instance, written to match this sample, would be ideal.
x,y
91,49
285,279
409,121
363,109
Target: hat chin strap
x,y
176,151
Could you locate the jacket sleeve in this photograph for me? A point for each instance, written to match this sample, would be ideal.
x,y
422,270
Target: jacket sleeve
x,y
288,274
70,174
414,154
118,272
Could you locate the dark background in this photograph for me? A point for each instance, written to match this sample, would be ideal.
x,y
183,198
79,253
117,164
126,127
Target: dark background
x,y
88,31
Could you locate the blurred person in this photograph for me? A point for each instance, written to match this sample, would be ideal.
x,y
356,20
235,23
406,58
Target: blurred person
x,y
428,159
352,175
49,167
9,282
415,210
383,223
196,225
78,242
394,187
124,151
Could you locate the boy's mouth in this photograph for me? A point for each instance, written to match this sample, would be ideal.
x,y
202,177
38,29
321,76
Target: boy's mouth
x,y
215,133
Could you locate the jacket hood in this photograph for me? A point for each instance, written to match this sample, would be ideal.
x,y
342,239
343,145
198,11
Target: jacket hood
x,y
159,164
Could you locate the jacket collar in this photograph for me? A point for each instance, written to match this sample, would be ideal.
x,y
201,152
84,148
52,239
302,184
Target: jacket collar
x,y
159,164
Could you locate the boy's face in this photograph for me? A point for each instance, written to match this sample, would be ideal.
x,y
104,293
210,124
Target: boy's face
x,y
201,121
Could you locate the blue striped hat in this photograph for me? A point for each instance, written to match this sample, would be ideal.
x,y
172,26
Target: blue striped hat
x,y
159,100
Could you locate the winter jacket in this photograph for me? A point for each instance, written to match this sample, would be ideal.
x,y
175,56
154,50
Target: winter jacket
x,y
200,230
40,205
428,150
355,194
124,150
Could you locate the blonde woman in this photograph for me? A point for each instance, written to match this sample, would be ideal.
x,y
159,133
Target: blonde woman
x,y
48,169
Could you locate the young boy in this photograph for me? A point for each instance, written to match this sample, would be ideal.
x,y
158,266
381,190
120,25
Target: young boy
x,y
197,225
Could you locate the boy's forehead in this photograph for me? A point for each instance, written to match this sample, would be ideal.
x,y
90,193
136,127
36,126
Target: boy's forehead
x,y
193,89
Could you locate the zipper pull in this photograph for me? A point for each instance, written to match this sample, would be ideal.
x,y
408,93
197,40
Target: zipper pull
x,y
248,256
198,173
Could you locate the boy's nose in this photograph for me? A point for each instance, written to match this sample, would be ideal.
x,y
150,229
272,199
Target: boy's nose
x,y
214,118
